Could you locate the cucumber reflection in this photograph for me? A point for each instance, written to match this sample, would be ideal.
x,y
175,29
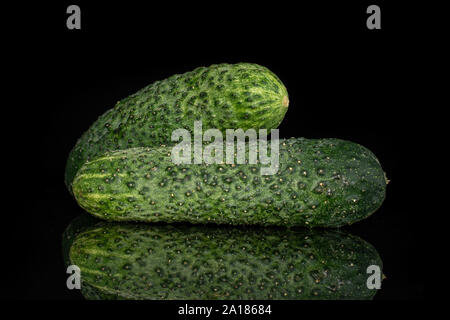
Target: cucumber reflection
x,y
141,261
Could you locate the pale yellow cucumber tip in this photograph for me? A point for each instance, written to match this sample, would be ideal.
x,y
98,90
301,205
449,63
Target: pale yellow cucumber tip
x,y
285,101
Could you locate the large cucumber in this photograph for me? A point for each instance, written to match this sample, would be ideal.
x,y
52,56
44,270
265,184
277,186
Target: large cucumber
x,y
76,226
327,183
223,96
132,261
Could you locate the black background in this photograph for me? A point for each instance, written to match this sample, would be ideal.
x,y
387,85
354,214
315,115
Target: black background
x,y
344,81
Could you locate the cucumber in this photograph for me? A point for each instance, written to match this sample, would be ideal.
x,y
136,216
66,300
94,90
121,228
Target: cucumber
x,y
139,261
76,226
222,96
319,183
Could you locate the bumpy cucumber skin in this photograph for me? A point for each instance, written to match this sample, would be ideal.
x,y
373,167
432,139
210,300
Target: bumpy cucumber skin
x,y
320,183
132,261
79,224
223,96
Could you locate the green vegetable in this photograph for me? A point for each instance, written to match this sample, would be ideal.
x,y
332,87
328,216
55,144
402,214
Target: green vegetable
x,y
138,261
76,226
326,183
223,96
